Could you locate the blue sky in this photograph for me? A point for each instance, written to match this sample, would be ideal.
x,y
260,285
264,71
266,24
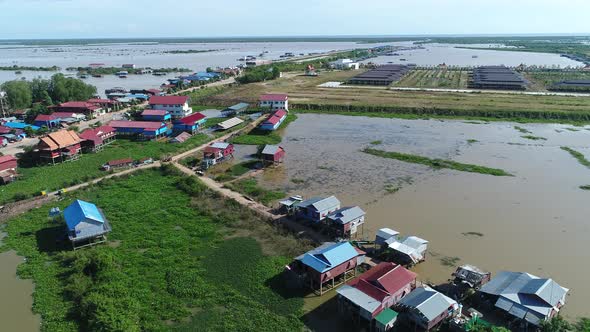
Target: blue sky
x,y
218,18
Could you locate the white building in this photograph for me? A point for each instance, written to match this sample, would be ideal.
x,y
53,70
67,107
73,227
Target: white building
x,y
344,64
274,101
177,106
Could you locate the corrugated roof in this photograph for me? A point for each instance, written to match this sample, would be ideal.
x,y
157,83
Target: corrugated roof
x,y
193,118
150,112
61,139
7,158
168,100
428,302
346,214
230,123
386,316
329,256
182,137
219,145
136,124
79,211
320,203
359,298
274,97
238,106
271,149
386,233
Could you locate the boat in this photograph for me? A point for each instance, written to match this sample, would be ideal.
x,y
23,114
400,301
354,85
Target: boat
x,y
18,72
159,73
402,59
115,90
83,75
475,56
122,74
96,75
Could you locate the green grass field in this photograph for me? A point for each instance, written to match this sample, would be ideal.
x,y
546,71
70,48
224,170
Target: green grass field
x,y
435,78
169,258
33,180
250,188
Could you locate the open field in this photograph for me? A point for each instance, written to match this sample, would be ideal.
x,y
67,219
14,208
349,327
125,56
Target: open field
x,y
263,137
304,94
545,80
435,78
200,257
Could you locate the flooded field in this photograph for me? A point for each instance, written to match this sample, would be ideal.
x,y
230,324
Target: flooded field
x,y
534,222
16,301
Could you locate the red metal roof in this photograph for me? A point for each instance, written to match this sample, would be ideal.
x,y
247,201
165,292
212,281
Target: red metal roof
x,y
136,124
45,117
7,158
5,130
193,118
385,278
276,117
154,91
95,133
274,97
120,162
154,112
78,104
168,100
100,101
63,114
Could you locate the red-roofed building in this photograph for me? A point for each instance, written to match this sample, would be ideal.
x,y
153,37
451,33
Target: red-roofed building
x,y
107,105
178,106
274,101
95,139
68,115
155,115
376,290
45,120
274,121
8,165
190,124
143,129
89,109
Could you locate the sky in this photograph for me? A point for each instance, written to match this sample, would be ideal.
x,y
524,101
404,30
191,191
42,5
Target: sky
x,y
37,19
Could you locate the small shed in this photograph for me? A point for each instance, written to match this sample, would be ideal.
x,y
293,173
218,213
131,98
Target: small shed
x,y
8,165
409,250
385,320
472,276
316,209
273,154
128,162
86,224
234,110
227,124
385,234
289,205
181,138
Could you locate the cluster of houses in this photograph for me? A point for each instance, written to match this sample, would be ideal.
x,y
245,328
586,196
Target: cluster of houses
x,y
388,293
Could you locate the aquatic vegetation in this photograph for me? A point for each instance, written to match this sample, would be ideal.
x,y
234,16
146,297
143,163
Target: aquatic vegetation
x,y
378,142
437,163
449,261
578,155
523,130
585,187
297,181
472,234
534,138
392,188
471,141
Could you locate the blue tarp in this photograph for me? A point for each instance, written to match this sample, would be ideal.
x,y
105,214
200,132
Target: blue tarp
x,y
20,125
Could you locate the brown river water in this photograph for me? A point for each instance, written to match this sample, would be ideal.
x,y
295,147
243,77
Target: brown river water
x,y
534,222
15,299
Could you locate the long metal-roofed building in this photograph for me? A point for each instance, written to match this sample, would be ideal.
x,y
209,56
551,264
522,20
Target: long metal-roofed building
x,y
498,78
382,75
572,85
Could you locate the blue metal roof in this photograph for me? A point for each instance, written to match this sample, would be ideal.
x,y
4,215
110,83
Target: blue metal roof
x,y
330,256
20,125
80,211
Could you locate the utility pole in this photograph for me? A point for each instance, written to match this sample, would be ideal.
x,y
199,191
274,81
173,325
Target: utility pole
x,y
3,104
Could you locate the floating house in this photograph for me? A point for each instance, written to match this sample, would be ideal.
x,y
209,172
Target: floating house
x,y
61,145
346,221
375,291
86,224
318,208
217,152
525,296
424,308
45,120
90,110
273,154
181,138
95,139
274,101
8,169
274,121
471,276
330,264
178,106
156,115
227,124
141,129
190,124
409,250
236,109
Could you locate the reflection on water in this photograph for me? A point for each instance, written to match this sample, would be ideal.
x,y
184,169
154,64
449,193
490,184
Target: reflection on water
x,y
534,221
16,300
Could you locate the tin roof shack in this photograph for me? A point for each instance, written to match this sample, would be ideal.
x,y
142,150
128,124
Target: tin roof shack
x,y
409,251
190,124
181,138
8,166
345,221
141,129
95,139
318,208
61,145
119,163
289,205
525,296
274,101
424,308
272,154
331,263
86,224
274,121
45,120
385,320
472,276
384,237
375,290
155,115
227,124
217,152
236,109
